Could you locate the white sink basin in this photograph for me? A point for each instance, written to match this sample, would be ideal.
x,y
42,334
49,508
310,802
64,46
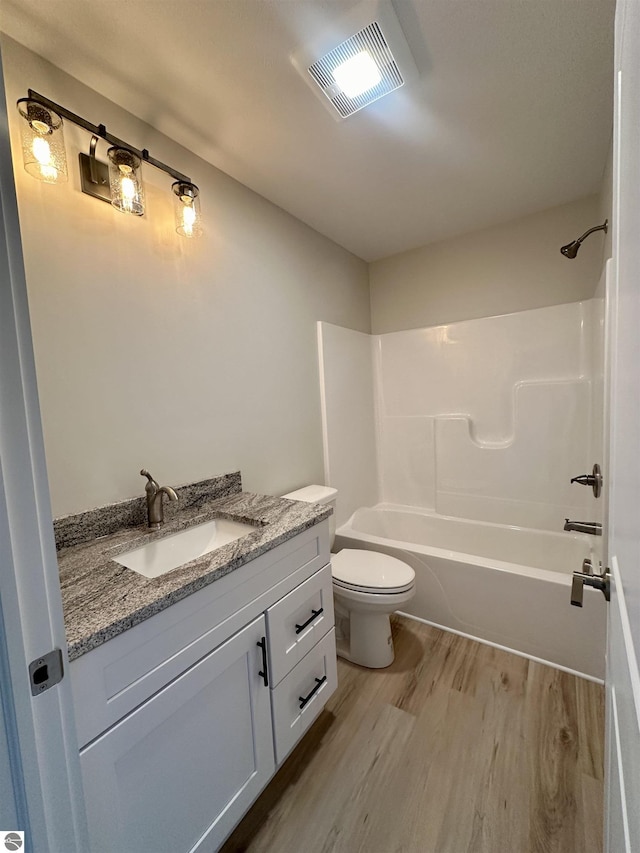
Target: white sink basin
x,y
163,555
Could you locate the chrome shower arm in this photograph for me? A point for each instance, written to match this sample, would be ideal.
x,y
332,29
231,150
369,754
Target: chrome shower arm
x,y
604,227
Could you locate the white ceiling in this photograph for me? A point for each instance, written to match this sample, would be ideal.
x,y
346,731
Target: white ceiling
x,y
511,113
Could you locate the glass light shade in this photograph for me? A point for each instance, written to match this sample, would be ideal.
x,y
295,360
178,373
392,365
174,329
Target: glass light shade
x,y
43,150
125,179
186,205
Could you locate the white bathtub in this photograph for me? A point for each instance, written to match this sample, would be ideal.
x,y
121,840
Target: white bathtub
x,y
509,586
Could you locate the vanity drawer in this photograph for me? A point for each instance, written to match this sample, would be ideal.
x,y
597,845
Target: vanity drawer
x,y
298,621
299,698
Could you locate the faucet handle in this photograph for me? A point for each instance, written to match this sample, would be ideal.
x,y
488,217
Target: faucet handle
x,y
152,483
581,579
577,589
594,479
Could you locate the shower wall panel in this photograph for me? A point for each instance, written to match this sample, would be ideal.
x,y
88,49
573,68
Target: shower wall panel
x,y
486,419
499,409
347,400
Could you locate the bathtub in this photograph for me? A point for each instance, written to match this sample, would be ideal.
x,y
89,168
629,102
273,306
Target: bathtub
x,y
507,586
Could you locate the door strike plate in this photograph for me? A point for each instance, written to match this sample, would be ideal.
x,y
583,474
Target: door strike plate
x,y
45,671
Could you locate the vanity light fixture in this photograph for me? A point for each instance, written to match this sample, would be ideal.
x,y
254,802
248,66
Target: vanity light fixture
x,y
118,182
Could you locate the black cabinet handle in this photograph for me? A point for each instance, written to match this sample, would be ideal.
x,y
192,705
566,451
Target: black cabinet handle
x,y
264,672
305,699
314,613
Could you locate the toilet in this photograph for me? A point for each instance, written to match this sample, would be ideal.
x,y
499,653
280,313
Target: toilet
x,y
368,587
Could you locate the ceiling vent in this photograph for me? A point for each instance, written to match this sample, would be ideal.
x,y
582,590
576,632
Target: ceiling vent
x,y
360,69
374,71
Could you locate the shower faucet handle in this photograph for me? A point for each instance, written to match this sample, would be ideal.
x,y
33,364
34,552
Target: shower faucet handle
x,y
594,479
577,589
582,579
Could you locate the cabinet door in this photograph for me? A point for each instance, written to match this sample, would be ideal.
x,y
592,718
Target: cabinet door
x,y
180,771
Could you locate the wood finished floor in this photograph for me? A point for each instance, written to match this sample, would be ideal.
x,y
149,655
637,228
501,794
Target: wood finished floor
x,y
455,748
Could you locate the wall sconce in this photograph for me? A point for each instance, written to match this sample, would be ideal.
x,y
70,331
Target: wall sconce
x,y
119,182
42,137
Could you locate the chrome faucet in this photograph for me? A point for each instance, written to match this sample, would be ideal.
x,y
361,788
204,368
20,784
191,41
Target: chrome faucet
x,y
592,527
155,509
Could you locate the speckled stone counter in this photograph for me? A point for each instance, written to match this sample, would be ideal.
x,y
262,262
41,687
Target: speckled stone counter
x,y
102,598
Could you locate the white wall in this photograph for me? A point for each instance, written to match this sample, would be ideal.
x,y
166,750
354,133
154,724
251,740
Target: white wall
x,y
190,358
507,268
348,417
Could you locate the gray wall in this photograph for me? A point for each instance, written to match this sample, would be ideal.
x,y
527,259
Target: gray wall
x,y
498,270
190,358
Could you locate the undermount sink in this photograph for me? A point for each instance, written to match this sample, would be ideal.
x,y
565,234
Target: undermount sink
x,y
163,555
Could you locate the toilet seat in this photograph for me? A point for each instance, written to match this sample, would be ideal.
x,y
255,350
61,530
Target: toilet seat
x,y
371,572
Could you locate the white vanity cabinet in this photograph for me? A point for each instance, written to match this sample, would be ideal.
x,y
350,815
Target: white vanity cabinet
x,y
184,718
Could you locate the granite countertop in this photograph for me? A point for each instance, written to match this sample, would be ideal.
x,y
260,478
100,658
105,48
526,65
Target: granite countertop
x,y
102,598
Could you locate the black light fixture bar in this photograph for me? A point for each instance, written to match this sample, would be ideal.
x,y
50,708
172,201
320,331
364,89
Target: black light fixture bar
x,y
101,131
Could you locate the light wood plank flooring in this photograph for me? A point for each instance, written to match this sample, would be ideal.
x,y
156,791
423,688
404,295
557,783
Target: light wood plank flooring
x,y
455,748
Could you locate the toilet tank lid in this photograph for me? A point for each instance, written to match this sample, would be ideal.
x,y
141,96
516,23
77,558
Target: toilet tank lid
x,y
313,494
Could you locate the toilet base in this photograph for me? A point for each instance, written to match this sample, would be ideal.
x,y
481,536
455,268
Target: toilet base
x,y
370,642
363,628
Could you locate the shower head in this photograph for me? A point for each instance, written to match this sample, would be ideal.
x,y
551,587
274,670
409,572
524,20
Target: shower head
x,y
571,249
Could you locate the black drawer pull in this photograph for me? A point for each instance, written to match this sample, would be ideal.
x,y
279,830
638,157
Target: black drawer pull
x,y
264,672
314,613
305,699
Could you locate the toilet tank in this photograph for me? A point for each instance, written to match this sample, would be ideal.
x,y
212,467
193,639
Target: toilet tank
x,y
318,495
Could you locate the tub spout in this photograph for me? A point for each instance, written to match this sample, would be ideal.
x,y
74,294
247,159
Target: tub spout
x,y
592,527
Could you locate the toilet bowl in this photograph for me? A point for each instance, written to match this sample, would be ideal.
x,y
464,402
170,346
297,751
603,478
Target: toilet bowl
x,y
368,587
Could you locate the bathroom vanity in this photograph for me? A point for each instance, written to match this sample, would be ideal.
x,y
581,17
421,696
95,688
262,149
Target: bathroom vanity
x,y
184,716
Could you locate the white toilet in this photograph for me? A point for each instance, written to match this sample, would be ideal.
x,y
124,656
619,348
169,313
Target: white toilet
x,y
367,586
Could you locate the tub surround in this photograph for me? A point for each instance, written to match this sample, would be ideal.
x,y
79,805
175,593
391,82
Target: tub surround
x,y
486,419
102,598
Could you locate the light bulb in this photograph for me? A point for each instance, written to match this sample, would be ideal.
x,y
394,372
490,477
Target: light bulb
x,y
42,153
357,75
188,218
128,190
